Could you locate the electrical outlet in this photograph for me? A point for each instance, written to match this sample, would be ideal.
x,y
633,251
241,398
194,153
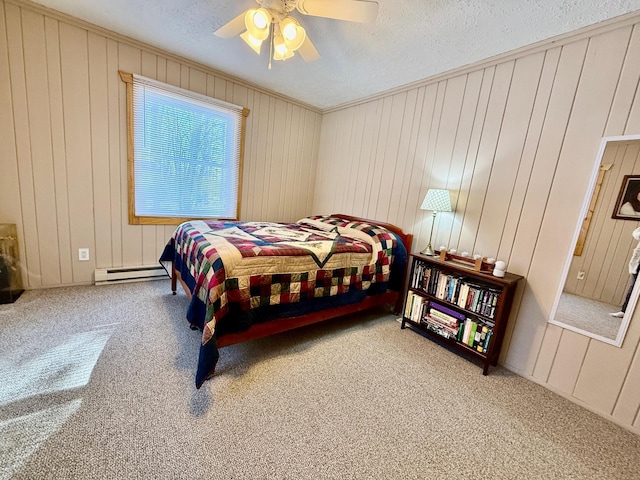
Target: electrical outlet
x,y
580,275
83,254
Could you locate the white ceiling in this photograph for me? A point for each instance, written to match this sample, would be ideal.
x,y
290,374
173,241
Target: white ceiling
x,y
410,40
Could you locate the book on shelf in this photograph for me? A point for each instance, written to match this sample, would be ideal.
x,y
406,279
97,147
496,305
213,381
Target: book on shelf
x,y
444,318
472,333
475,334
415,307
439,327
447,310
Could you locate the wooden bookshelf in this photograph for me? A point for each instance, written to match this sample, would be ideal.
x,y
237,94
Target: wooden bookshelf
x,y
450,299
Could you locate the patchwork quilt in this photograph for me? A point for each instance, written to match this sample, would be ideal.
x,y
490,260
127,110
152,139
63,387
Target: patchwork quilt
x,y
232,268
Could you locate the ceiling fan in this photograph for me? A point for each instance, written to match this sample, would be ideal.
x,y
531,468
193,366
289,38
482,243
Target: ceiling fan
x,y
272,21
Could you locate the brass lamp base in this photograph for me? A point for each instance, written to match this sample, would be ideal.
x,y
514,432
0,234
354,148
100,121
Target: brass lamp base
x,y
427,251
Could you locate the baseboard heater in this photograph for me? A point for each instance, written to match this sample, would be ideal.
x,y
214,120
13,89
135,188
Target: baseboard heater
x,y
104,276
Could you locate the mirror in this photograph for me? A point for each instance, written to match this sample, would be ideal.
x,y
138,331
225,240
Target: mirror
x,y
596,277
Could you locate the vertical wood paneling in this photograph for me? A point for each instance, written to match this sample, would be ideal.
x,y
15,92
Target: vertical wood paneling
x,y
311,146
527,162
99,101
77,118
443,160
381,166
424,230
527,337
460,203
54,76
627,407
353,167
508,155
486,153
389,157
276,156
547,352
372,118
572,348
37,90
465,215
327,147
116,163
627,89
22,136
610,375
407,151
11,205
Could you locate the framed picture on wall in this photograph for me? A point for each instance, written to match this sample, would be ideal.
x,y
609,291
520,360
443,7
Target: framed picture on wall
x,y
628,203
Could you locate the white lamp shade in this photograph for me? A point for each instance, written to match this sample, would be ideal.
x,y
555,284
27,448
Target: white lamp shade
x,y
437,200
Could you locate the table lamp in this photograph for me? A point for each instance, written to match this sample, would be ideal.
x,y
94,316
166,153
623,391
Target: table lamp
x,y
436,200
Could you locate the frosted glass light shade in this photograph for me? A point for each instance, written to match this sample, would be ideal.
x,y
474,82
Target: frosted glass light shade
x,y
437,200
254,43
280,50
293,34
257,22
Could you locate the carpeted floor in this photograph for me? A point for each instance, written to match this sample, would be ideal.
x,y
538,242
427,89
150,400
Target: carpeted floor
x,y
98,383
588,314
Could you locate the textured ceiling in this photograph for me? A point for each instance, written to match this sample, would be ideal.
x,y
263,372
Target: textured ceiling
x,y
410,40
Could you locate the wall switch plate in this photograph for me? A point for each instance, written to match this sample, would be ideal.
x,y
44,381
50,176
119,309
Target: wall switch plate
x,y
580,275
83,254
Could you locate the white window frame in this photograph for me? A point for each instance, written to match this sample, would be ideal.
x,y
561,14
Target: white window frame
x,y
128,79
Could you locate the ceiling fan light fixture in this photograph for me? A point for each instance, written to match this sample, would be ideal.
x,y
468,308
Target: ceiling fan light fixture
x,y
253,42
257,22
278,45
280,50
279,56
293,34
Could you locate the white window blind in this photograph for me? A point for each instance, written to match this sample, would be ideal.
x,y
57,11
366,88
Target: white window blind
x,y
186,153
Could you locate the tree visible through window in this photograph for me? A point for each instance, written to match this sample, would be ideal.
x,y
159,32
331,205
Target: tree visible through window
x,y
187,154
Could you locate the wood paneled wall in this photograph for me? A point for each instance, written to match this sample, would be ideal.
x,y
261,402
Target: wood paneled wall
x,y
63,153
609,244
516,141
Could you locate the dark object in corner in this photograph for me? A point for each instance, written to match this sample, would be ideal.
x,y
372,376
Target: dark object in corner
x,y
7,295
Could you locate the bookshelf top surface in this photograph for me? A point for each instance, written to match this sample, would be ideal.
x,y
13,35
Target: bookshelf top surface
x,y
467,270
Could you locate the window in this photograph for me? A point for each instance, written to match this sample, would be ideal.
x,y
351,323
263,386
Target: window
x,y
185,153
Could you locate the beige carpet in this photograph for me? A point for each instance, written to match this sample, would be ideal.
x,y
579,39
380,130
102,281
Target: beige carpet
x,y
589,315
98,383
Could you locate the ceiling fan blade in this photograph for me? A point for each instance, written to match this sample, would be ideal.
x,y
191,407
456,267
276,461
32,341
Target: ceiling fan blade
x,y
232,28
308,51
361,11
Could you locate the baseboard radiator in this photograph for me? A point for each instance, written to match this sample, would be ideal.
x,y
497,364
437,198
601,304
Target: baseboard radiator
x,y
105,276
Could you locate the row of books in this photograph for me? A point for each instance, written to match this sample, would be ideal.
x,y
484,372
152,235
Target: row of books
x,y
458,290
448,323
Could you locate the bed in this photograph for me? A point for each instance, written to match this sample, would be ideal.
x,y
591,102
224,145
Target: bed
x,y
246,280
